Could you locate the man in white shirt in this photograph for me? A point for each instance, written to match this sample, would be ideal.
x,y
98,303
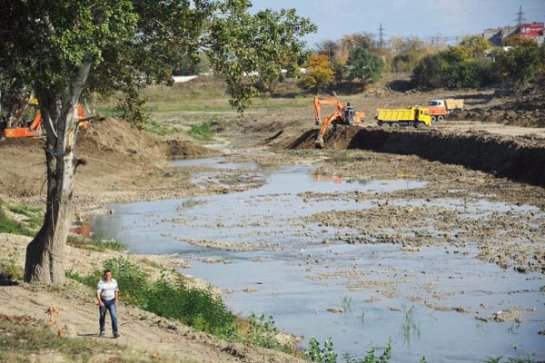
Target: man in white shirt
x,y
108,295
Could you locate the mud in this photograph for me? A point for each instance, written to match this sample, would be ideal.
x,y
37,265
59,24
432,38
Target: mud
x,y
521,159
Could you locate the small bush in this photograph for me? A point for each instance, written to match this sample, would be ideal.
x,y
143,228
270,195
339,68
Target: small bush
x,y
172,299
133,109
315,353
9,269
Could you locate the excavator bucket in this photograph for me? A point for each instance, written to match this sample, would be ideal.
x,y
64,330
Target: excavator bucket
x,y
319,142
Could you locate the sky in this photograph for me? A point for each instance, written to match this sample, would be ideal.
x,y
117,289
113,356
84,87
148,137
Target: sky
x,y
422,18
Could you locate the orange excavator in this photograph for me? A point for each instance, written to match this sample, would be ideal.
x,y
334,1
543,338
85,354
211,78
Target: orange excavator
x,y
34,129
344,115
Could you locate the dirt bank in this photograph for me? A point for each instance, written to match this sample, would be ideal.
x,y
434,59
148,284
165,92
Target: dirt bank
x,y
520,158
122,163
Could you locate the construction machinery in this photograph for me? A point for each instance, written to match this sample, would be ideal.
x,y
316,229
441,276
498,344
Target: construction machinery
x,y
439,109
34,128
412,116
343,115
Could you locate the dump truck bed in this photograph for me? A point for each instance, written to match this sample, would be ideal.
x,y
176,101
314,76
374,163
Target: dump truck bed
x,y
454,104
395,114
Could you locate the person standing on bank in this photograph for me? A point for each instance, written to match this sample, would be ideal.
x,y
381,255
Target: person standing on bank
x,y
108,296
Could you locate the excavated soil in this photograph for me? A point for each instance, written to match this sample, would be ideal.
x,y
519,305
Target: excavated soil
x,y
519,158
527,110
121,163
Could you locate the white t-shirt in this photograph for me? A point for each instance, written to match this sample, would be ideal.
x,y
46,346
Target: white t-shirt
x,y
107,289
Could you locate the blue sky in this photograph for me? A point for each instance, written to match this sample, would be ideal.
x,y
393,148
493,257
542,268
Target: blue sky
x,y
423,18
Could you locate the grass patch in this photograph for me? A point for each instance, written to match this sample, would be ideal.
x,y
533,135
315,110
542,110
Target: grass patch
x,y
157,128
94,243
202,132
22,337
8,225
34,215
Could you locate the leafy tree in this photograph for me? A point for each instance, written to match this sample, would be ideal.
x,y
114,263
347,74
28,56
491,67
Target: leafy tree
x,y
517,66
473,47
319,73
365,65
60,50
518,41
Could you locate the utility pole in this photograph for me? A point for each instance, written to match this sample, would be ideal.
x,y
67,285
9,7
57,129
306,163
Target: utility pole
x,y
520,17
381,36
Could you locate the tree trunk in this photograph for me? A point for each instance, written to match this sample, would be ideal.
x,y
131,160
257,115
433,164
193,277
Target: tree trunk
x,y
45,253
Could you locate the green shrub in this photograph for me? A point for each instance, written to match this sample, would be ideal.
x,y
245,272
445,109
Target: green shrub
x,y
315,353
132,108
11,270
171,298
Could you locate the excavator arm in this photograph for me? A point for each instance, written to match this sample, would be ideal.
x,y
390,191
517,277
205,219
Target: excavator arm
x,y
324,101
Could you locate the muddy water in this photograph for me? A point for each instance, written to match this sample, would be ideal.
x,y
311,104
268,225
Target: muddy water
x,y
439,301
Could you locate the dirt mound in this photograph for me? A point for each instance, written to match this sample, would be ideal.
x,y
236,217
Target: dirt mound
x,y
185,149
527,110
519,158
110,136
120,160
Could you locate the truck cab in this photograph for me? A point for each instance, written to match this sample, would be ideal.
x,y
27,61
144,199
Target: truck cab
x,y
437,103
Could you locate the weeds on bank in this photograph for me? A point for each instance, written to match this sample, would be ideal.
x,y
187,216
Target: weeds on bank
x,y
202,132
171,298
7,225
327,354
94,243
22,337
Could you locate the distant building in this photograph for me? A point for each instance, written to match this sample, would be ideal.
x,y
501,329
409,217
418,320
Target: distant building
x,y
530,30
497,35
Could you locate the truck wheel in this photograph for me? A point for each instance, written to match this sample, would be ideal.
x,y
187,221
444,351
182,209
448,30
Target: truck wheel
x,y
395,125
433,118
420,125
440,118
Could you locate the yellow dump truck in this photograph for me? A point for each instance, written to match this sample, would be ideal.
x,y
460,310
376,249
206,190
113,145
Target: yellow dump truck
x,y
412,116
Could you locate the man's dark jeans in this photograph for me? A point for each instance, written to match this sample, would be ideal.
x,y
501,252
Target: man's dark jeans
x,y
108,306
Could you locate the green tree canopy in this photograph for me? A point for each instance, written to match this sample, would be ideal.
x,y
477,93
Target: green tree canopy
x,y
365,65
